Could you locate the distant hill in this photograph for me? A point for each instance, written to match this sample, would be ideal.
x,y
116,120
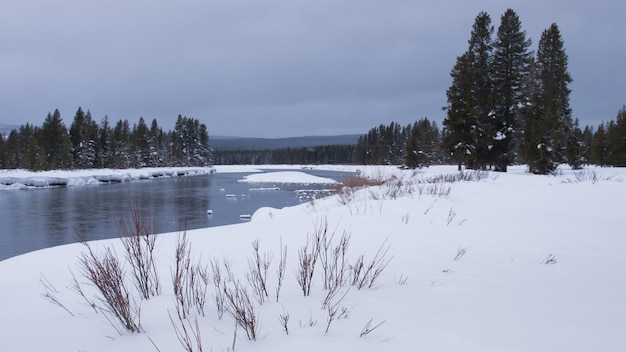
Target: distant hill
x,y
6,129
241,143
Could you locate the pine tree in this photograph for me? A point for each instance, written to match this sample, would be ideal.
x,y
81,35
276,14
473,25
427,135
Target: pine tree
x,y
459,123
587,141
140,147
616,140
3,154
469,121
120,145
55,143
548,118
84,137
104,144
575,147
423,144
481,56
598,152
155,142
510,71
35,156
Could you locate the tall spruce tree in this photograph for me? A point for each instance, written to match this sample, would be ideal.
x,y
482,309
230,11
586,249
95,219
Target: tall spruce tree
x,y
139,139
548,120
459,123
575,147
55,143
510,70
2,152
422,146
598,152
84,137
104,144
616,140
469,126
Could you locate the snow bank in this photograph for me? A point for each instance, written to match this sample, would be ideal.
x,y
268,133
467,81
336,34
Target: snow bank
x,y
287,177
20,179
515,262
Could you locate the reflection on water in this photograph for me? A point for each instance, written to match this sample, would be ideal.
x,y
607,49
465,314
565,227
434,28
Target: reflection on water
x,y
41,218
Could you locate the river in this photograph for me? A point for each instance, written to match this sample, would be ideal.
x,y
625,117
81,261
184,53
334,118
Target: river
x,y
41,218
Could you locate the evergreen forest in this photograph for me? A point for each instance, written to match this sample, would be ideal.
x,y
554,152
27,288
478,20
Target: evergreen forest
x,y
88,144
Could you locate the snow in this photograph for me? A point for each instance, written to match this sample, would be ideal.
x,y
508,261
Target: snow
x,y
287,177
468,271
21,179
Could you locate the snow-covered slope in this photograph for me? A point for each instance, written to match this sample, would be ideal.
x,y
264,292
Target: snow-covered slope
x,y
505,262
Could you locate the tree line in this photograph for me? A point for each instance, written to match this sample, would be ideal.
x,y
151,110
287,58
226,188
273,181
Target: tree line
x,y
412,145
88,144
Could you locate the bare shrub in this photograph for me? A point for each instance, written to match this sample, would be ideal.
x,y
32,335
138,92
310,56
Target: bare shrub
x,y
50,294
347,189
335,310
77,288
181,275
334,259
257,274
366,275
549,259
106,273
307,258
589,176
284,321
451,216
189,281
369,328
199,282
460,253
241,309
139,237
282,265
402,280
188,334
219,298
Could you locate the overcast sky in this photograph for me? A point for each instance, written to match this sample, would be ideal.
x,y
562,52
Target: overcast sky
x,y
279,68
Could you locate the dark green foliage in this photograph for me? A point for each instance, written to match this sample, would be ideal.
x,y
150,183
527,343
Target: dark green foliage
x,y
383,145
575,148
616,140
460,122
104,144
469,122
400,145
84,138
140,147
422,147
190,143
510,70
3,153
87,145
598,154
55,143
587,141
548,118
327,154
489,87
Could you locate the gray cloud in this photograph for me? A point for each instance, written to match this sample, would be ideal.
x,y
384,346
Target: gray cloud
x,y
277,68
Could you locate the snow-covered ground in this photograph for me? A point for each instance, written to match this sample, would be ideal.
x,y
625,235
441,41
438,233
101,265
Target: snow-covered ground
x,y
509,262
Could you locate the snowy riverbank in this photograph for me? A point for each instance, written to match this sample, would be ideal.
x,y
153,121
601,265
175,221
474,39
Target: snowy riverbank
x,y
484,262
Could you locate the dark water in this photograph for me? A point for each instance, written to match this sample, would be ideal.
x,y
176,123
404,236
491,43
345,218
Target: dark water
x,y
41,218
